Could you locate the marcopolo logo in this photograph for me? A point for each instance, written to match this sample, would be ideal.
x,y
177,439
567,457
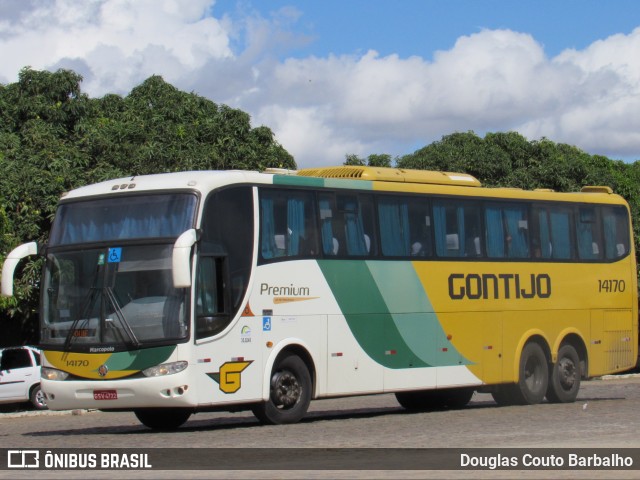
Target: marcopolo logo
x,y
475,286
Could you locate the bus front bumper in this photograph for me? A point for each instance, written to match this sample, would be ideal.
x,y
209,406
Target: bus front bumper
x,y
166,391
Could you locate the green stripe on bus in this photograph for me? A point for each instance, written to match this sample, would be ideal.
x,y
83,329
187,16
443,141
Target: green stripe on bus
x,y
346,183
298,181
413,314
139,359
397,328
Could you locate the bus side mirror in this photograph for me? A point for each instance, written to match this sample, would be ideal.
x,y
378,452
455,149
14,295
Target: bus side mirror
x,y
181,258
11,262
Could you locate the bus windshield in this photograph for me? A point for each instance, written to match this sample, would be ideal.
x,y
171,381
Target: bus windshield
x,y
101,287
121,218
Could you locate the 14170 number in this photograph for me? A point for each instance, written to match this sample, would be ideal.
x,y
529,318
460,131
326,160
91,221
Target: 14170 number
x,y
611,286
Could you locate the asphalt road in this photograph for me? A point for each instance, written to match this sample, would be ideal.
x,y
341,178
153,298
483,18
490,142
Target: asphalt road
x,y
606,415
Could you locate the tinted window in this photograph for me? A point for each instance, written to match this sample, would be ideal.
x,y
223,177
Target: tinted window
x,y
457,228
15,358
128,217
507,231
287,224
616,232
405,226
228,230
346,224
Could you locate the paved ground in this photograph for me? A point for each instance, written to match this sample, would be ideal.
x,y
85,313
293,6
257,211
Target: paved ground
x,y
605,415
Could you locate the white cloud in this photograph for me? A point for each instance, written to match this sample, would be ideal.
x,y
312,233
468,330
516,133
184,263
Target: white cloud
x,y
322,108
124,41
494,80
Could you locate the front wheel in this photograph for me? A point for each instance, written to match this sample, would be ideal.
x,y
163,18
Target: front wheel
x,y
164,419
290,393
564,380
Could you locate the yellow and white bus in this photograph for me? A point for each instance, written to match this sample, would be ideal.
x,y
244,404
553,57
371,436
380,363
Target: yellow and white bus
x,y
176,293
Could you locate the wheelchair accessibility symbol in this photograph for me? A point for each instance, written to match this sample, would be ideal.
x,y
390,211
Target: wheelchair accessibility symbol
x,y
266,324
114,255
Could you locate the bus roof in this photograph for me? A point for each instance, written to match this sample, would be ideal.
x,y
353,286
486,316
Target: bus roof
x,y
202,181
348,177
386,174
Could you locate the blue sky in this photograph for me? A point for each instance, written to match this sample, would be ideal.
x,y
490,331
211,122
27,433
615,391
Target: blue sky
x,y
332,78
420,27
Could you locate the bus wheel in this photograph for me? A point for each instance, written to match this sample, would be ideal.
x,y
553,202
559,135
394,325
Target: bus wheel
x,y
290,393
564,381
533,378
459,397
163,418
534,375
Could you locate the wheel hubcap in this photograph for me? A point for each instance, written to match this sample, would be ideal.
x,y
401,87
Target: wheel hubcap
x,y
566,373
532,374
285,389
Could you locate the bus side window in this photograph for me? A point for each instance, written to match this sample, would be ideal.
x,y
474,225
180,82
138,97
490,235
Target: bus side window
x,y
616,232
588,234
393,217
552,233
327,214
288,226
349,226
560,233
507,231
457,229
227,232
211,314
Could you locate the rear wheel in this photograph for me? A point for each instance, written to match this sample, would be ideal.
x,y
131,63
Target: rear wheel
x,y
163,418
533,378
290,393
564,379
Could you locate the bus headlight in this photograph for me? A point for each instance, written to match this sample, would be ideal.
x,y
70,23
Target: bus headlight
x,y
53,374
165,369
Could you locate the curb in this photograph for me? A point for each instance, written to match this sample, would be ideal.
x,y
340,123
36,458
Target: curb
x,y
43,413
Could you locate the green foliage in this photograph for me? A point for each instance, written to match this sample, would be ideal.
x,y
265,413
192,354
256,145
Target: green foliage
x,y
54,138
373,160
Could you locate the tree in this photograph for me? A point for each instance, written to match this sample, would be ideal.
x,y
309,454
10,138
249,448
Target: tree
x,y
54,138
373,160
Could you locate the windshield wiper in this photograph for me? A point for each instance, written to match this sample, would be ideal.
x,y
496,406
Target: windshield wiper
x,y
92,296
118,312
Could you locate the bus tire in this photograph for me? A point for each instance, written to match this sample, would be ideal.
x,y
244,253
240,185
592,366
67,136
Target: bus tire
x,y
290,393
533,378
425,400
564,378
164,419
534,374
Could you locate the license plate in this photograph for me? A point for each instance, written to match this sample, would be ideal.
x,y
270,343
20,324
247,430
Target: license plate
x,y
105,395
